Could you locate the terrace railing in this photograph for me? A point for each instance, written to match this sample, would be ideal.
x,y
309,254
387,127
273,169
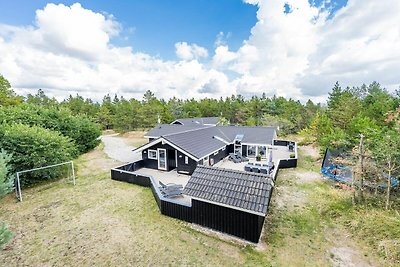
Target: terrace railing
x,y
168,206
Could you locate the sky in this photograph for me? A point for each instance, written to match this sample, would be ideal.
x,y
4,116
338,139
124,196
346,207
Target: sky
x,y
199,48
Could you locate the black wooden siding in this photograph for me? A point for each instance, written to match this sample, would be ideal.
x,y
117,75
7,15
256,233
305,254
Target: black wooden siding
x,y
221,154
185,168
235,222
171,162
238,223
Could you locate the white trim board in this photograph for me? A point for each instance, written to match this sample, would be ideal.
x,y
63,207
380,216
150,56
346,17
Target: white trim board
x,y
164,141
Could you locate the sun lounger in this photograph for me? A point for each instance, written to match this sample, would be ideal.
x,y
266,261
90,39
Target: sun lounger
x,y
171,189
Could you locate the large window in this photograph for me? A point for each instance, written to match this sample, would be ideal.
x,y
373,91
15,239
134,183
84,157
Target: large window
x,y
262,150
152,154
254,150
251,151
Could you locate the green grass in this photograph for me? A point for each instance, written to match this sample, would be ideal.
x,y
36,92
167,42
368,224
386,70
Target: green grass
x,y
101,222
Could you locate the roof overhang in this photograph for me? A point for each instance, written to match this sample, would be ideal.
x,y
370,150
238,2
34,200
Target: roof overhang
x,y
164,141
148,136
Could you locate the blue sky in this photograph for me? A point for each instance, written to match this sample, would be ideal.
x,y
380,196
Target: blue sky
x,y
290,48
154,26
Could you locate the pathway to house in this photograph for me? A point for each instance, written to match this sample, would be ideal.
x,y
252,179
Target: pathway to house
x,y
116,148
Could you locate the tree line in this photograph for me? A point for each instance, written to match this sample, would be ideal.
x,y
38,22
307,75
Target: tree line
x,y
124,114
363,123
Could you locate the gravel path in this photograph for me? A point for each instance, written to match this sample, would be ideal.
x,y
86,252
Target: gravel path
x,y
117,149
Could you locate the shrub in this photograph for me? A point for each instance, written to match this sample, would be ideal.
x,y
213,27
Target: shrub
x,y
5,235
80,128
6,181
6,184
34,146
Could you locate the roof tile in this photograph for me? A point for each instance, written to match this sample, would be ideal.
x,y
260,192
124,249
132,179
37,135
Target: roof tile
x,y
245,190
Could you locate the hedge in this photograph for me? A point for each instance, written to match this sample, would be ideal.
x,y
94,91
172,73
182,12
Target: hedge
x,y
80,128
34,146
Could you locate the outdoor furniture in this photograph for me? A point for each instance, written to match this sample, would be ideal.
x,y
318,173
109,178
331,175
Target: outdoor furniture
x,y
171,190
234,158
241,157
258,168
291,147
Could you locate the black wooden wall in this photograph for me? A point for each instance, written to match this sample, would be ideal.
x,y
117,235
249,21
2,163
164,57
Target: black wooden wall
x,y
235,222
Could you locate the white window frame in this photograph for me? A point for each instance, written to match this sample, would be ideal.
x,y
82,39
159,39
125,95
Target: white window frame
x,y
186,160
251,156
206,161
215,153
166,159
266,151
223,149
149,151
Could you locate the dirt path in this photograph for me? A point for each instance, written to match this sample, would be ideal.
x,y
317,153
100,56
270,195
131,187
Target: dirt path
x,y
117,148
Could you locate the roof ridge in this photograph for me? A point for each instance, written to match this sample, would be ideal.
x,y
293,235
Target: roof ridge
x,y
235,171
191,130
223,134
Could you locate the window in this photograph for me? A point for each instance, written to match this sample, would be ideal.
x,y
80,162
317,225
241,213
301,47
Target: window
x,y
186,160
251,151
223,149
152,154
215,153
262,150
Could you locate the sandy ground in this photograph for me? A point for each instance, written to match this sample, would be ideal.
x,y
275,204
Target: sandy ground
x,y
118,149
341,251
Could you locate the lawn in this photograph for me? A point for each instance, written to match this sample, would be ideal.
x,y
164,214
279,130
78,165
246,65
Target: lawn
x,y
101,222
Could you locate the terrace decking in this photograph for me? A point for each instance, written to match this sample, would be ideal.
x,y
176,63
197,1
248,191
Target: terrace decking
x,y
279,153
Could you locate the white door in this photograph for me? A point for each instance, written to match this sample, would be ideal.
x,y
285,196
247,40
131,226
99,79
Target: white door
x,y
206,161
162,159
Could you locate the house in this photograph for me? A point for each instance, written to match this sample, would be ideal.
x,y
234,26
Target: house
x,y
217,193
184,147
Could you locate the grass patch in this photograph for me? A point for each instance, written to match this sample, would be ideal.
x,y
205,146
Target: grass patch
x,y
307,162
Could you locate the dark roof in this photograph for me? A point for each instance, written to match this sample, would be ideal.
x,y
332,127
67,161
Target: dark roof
x,y
244,190
200,140
198,143
251,134
198,121
166,129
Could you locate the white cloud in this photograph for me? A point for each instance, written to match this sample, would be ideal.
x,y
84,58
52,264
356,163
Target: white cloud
x,y
303,53
359,45
300,54
188,52
68,51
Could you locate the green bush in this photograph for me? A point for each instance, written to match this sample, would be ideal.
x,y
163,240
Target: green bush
x,y
6,185
5,235
80,128
6,181
34,146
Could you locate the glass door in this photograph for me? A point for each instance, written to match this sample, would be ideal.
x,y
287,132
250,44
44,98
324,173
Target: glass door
x,y
162,159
